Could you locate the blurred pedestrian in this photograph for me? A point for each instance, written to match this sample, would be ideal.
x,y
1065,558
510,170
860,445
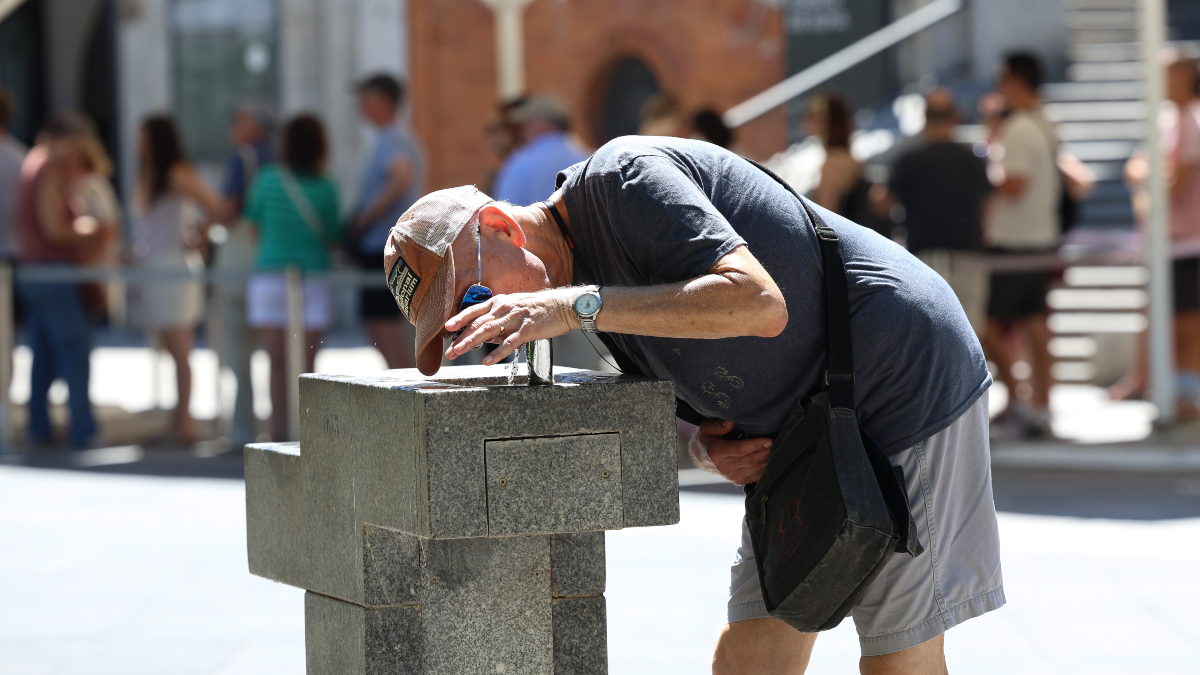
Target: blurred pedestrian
x,y
294,207
943,185
1179,137
502,135
528,174
827,116
166,241
1023,218
12,153
662,115
707,125
94,207
391,182
55,320
251,134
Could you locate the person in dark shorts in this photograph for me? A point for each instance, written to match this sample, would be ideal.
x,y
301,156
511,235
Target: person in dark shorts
x,y
1023,219
392,181
1179,136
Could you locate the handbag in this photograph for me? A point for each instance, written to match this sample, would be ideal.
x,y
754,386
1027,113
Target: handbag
x,y
829,510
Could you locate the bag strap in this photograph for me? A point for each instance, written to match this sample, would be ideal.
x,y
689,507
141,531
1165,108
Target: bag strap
x,y
300,202
839,373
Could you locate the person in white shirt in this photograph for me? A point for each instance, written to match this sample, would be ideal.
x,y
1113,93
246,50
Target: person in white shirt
x,y
1024,218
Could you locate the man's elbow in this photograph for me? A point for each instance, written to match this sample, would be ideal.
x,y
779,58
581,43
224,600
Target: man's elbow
x,y
770,314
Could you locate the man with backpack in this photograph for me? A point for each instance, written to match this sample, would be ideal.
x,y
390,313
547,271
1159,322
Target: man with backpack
x,y
699,266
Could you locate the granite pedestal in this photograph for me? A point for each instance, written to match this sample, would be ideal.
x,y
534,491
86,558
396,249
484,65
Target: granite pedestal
x,y
455,524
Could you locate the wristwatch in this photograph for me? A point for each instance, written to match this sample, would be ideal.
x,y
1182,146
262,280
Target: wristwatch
x,y
587,306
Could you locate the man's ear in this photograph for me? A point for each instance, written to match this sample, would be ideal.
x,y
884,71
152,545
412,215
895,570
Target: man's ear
x,y
497,217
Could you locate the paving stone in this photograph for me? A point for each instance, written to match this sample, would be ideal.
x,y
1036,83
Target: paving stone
x,y
578,564
274,530
580,636
548,485
486,605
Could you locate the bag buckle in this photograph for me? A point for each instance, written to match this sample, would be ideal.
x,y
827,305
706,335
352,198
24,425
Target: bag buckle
x,y
832,379
826,233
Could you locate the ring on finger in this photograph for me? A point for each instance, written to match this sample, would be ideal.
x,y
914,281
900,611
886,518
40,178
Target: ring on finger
x,y
501,335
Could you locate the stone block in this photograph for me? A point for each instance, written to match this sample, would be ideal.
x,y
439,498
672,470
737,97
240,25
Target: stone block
x,y
580,636
391,568
486,605
332,541
548,485
340,637
274,523
577,562
412,429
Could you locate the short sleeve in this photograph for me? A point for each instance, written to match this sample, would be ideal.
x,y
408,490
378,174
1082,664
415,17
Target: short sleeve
x,y
1021,143
667,226
253,208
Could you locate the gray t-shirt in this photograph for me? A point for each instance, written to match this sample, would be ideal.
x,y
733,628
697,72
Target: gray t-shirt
x,y
648,211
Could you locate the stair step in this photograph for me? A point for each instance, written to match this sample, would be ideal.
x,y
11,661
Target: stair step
x,y
1103,35
1110,212
1085,19
1106,171
1092,91
1095,111
1101,151
1120,70
1101,131
1099,53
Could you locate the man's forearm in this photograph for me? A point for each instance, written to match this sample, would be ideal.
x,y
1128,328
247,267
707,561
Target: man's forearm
x,y
730,301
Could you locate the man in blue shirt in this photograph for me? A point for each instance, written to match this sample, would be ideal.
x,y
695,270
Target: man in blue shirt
x,y
392,181
528,174
250,132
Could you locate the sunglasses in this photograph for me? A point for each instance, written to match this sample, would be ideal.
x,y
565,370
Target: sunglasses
x,y
477,293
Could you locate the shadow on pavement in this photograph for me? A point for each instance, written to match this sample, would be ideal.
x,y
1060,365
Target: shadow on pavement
x,y
1075,494
132,459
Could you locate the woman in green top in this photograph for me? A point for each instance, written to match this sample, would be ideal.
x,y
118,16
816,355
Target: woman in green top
x,y
295,210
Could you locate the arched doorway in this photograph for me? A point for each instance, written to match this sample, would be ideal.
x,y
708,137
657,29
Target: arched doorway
x,y
630,84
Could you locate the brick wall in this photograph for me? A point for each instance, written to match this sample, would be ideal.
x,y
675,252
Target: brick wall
x,y
710,52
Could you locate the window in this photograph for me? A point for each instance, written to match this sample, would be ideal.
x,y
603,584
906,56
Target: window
x,y
224,56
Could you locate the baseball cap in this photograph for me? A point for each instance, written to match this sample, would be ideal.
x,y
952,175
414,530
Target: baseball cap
x,y
419,263
546,107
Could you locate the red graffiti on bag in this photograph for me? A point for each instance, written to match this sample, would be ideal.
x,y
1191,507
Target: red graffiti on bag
x,y
792,530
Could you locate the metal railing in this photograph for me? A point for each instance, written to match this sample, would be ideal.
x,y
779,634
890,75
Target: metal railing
x,y
296,347
295,343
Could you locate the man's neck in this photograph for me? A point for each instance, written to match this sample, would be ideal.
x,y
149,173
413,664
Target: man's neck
x,y
544,240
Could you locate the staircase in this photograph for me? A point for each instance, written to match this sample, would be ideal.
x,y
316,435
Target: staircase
x,y
1099,110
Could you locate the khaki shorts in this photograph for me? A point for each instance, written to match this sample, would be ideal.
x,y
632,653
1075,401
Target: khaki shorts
x,y
949,482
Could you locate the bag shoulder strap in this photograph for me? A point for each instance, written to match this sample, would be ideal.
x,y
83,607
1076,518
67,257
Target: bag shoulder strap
x,y
300,201
839,373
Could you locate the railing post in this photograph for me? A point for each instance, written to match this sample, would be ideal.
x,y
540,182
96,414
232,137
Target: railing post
x,y
1152,26
7,344
295,345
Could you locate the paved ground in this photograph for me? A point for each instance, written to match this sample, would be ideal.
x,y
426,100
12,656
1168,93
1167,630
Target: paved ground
x,y
108,572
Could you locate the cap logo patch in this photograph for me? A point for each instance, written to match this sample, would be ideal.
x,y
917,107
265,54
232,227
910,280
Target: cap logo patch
x,y
404,283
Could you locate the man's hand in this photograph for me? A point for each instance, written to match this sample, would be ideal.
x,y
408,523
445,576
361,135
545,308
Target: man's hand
x,y
511,321
740,462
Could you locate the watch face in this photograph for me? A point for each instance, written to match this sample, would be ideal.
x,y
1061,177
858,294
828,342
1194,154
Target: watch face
x,y
588,303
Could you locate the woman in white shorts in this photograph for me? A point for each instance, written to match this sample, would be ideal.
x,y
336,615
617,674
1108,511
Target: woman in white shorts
x,y
294,207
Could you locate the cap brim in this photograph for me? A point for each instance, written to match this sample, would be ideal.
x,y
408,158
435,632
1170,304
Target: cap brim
x,y
436,309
